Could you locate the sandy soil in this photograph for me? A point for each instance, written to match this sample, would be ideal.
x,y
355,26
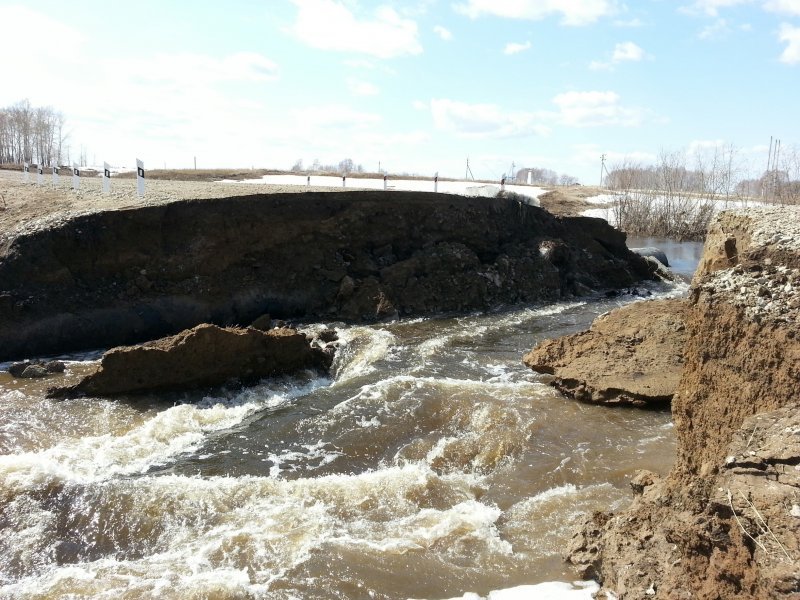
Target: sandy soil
x,y
27,205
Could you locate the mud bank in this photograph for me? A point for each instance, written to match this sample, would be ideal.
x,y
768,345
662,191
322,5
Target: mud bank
x,y
122,276
725,523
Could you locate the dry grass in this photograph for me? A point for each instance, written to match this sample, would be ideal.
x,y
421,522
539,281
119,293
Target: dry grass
x,y
200,174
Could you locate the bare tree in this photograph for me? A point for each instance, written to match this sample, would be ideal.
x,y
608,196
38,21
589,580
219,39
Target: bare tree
x,y
31,134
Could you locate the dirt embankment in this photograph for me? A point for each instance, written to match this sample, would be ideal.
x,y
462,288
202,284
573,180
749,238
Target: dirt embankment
x,y
725,523
98,275
632,356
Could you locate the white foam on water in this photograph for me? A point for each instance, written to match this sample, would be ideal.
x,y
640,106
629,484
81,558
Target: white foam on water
x,y
167,434
359,348
319,453
242,534
549,590
430,527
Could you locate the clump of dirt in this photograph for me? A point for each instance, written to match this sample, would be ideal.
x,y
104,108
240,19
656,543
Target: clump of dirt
x,y
632,356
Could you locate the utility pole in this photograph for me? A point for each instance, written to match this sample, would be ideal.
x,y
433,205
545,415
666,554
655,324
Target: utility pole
x,y
602,167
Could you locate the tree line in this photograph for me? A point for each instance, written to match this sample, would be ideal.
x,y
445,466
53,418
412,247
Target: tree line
x,y
33,134
540,176
719,173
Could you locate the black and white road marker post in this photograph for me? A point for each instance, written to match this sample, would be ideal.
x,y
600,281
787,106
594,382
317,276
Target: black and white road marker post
x,y
139,178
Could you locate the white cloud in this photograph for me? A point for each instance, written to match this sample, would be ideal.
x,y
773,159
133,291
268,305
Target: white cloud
x,y
485,120
789,7
592,109
361,88
573,12
712,7
330,25
574,109
515,48
791,36
623,52
443,33
419,105
627,51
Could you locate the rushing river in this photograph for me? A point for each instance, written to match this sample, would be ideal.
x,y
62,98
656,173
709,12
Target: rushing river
x,y
431,464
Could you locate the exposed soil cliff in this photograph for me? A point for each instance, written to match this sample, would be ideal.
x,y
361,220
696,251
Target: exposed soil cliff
x,y
121,276
631,356
725,523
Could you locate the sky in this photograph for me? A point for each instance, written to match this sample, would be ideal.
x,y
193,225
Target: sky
x,y
419,86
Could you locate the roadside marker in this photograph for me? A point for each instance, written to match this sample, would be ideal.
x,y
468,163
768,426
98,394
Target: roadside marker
x,y
25,172
55,176
139,178
76,177
106,178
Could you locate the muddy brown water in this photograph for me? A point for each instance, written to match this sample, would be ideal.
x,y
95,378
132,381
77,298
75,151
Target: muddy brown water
x,y
431,464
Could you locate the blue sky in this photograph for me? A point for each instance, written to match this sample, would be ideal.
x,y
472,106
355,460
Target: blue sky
x,y
418,85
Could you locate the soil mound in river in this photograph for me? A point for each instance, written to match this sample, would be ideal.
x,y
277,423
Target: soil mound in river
x,y
631,356
206,355
115,277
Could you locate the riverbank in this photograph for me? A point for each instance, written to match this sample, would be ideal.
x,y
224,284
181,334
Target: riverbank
x,y
725,523
99,274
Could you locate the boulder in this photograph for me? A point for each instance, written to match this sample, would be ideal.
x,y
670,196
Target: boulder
x,y
651,252
37,368
203,356
631,356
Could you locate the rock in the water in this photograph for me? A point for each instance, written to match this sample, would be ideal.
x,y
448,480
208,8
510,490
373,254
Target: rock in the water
x,y
206,355
37,368
328,335
652,252
630,356
34,371
264,323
